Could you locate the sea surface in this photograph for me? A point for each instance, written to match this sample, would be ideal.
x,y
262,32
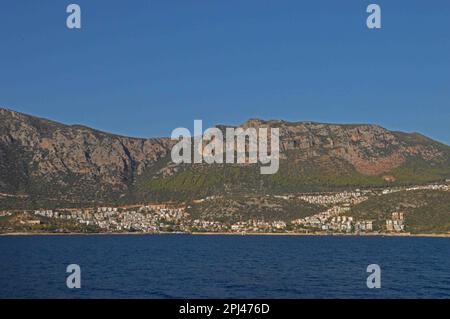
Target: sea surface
x,y
187,266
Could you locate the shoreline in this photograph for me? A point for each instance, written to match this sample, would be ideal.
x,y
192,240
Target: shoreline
x,y
233,234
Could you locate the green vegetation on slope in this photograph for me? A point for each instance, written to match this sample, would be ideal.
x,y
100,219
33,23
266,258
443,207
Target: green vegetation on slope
x,y
425,211
243,208
24,222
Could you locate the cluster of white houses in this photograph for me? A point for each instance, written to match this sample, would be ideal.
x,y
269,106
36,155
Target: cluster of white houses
x,y
254,225
349,198
142,219
334,220
436,187
170,217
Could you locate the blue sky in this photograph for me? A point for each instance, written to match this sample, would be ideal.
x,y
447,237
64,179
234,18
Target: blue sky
x,y
143,68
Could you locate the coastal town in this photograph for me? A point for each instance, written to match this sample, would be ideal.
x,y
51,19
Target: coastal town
x,y
175,218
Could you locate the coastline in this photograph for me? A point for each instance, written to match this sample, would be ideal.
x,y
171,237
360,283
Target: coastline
x,y
233,234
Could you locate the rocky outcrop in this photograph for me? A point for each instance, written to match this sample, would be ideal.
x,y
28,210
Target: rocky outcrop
x,y
371,149
72,156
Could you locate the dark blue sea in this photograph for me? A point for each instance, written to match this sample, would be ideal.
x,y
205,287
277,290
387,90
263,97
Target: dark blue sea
x,y
185,266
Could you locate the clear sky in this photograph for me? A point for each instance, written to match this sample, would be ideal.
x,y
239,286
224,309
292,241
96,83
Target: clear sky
x,y
143,68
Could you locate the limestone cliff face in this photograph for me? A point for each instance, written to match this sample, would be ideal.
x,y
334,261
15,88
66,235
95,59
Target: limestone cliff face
x,y
43,153
44,159
370,149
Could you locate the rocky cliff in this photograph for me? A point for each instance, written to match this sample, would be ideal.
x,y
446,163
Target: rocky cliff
x,y
42,158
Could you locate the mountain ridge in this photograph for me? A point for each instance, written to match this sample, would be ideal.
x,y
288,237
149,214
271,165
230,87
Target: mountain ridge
x,y
52,162
250,120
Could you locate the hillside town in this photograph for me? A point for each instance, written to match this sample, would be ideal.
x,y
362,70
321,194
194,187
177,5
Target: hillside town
x,y
169,218
146,219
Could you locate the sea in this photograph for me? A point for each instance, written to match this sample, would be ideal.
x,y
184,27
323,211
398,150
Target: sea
x,y
224,266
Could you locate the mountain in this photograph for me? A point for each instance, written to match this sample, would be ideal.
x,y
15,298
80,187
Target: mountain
x,y
45,163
